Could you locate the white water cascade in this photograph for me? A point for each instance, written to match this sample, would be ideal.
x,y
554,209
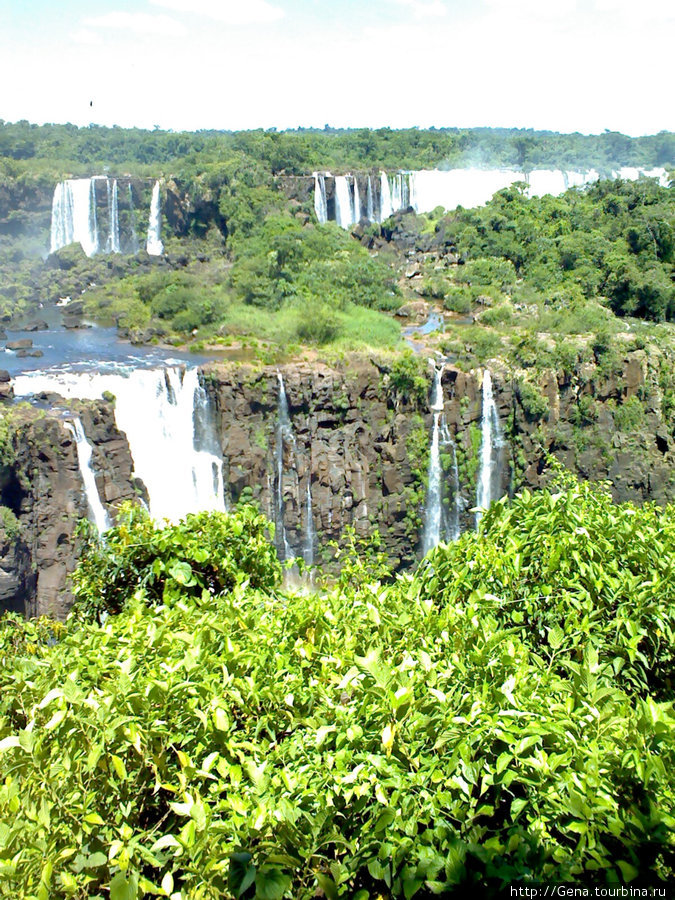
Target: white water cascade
x,y
491,444
427,189
356,206
438,525
113,244
133,237
386,208
370,200
310,533
162,411
320,201
343,201
97,511
154,244
74,215
284,436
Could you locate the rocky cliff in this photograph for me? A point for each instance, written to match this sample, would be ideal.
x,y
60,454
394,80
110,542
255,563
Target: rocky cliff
x,y
365,451
42,497
358,441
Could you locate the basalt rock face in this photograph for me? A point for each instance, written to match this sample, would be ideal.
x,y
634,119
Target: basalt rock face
x,y
366,456
364,453
604,426
42,487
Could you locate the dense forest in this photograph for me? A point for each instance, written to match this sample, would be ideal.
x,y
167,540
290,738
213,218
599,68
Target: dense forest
x,y
76,150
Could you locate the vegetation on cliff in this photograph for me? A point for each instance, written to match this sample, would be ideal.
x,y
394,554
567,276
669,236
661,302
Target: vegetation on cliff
x,y
503,716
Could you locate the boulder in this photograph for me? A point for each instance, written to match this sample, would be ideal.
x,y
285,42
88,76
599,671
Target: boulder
x,y
21,344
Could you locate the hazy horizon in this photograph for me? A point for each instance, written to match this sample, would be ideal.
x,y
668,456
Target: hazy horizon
x,y
571,66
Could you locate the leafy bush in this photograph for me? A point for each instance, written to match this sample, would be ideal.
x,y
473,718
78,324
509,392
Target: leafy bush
x,y
207,552
485,722
535,404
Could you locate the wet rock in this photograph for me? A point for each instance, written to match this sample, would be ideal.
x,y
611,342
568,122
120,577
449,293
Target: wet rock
x,y
21,344
37,325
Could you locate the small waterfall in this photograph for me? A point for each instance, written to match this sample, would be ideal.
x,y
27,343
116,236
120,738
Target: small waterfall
x,y
343,201
74,215
284,436
97,511
439,522
396,192
310,534
492,441
154,244
133,237
386,208
370,200
113,244
320,201
62,217
163,413
356,209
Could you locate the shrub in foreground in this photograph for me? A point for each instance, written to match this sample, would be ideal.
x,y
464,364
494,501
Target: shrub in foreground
x,y
400,741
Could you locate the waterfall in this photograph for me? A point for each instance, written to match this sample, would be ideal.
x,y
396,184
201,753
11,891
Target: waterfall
x,y
396,192
343,201
133,237
165,415
356,217
438,525
74,215
492,441
154,244
284,436
310,534
320,201
97,511
113,244
62,217
370,200
386,209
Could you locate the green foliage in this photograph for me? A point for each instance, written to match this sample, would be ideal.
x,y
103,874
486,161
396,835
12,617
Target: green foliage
x,y
612,240
207,553
405,380
504,716
9,523
535,404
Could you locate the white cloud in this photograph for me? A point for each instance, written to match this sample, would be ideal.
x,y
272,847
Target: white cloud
x,y
535,9
86,36
424,9
232,12
137,23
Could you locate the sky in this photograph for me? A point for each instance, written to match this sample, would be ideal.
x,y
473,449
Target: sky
x,y
563,65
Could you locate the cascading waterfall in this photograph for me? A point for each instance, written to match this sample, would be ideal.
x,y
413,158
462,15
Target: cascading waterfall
x,y
438,525
113,244
370,200
154,245
310,533
74,215
62,217
133,237
163,413
320,201
492,441
386,208
284,436
343,201
357,200
97,511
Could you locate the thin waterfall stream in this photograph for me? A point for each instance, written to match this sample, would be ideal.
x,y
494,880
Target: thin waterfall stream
x,y
97,511
491,444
